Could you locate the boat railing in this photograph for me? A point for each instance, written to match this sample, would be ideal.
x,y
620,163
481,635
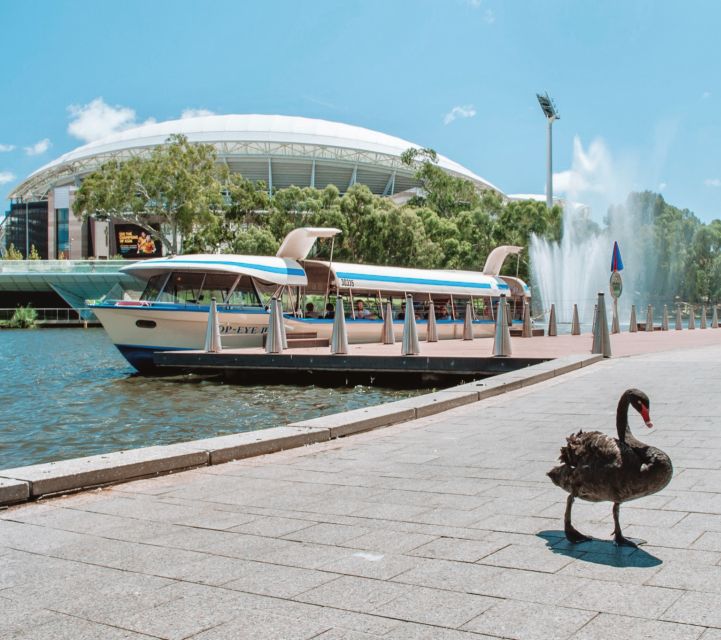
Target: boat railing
x,y
54,315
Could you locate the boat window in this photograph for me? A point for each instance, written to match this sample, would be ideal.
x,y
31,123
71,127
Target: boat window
x,y
152,288
216,285
183,287
244,294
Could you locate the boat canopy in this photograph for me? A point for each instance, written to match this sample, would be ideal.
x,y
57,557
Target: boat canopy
x,y
404,280
298,243
495,259
280,271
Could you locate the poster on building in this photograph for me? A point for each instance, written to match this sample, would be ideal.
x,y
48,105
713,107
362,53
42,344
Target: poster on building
x,y
134,242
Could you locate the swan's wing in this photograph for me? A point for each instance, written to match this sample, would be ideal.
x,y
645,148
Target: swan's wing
x,y
590,449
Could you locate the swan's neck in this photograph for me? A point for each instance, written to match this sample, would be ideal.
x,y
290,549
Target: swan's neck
x,y
624,431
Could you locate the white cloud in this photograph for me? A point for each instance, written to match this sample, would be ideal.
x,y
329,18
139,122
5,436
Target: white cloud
x,y
97,119
464,111
6,147
196,113
705,95
489,16
39,147
662,186
476,4
6,176
712,182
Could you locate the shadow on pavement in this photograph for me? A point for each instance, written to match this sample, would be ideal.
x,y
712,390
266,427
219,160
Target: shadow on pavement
x,y
599,551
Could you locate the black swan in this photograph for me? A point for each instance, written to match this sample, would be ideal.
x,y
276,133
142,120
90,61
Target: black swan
x,y
599,468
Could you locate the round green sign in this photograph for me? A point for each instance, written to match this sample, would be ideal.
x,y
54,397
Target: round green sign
x,y
616,284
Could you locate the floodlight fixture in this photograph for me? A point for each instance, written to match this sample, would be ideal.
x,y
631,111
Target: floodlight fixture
x,y
551,113
548,107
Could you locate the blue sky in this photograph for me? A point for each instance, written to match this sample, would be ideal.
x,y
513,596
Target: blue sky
x,y
636,82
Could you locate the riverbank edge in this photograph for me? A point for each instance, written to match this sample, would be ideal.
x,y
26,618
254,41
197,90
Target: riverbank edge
x,y
23,484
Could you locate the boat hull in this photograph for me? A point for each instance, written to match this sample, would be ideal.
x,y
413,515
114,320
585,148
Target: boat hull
x,y
139,331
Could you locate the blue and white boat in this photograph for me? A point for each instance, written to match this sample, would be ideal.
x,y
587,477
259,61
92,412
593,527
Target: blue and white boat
x,y
171,311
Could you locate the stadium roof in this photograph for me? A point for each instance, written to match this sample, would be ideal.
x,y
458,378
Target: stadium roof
x,y
253,144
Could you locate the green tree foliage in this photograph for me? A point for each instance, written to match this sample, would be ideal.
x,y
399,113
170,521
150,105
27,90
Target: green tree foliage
x,y
178,185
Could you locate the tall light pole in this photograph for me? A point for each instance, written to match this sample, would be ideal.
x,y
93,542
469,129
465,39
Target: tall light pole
x,y
549,110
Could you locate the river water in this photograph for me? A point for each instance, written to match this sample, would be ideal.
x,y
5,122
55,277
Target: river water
x,y
66,393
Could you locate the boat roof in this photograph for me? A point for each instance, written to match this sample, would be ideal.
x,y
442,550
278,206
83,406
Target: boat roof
x,y
281,271
402,279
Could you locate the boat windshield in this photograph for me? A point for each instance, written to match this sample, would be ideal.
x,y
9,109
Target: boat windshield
x,y
197,288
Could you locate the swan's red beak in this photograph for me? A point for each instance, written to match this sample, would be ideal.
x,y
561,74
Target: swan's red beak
x,y
646,416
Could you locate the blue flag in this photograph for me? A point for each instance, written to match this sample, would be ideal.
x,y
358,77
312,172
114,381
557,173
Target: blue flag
x,y
616,262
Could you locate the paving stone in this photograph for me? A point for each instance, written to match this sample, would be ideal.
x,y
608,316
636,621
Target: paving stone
x,y
527,621
261,625
623,599
272,526
436,607
276,580
69,628
455,549
523,557
325,533
455,576
413,631
369,564
354,594
702,609
688,577
389,541
611,627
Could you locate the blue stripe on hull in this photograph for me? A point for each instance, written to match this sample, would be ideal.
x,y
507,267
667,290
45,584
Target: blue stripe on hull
x,y
142,357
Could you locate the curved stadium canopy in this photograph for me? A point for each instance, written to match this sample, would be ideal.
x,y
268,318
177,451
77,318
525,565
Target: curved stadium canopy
x,y
280,150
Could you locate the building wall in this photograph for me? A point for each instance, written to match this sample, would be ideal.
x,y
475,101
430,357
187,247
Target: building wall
x,y
30,216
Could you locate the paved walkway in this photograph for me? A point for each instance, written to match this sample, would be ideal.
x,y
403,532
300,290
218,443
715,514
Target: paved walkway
x,y
444,528
622,344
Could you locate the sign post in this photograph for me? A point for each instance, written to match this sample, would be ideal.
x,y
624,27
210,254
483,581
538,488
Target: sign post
x,y
616,285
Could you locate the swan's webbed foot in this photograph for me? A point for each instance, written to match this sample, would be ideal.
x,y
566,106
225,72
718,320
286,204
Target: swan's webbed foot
x,y
621,541
574,536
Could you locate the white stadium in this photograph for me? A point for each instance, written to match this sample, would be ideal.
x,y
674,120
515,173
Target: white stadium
x,y
280,150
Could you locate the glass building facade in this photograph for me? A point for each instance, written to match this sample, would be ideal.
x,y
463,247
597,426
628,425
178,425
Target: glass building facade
x,y
27,226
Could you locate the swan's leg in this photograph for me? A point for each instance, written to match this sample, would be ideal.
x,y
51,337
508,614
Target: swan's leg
x,y
571,533
618,537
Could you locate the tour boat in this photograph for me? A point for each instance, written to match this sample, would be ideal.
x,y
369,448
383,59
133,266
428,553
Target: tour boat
x,y
170,309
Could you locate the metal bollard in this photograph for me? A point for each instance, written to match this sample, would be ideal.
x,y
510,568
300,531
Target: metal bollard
x,y
552,329
339,338
575,323
649,318
432,329
410,346
502,337
212,333
527,331
633,323
468,321
691,317
273,341
664,321
703,317
601,338
387,335
679,322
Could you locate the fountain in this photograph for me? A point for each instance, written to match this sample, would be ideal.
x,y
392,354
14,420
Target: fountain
x,y
573,270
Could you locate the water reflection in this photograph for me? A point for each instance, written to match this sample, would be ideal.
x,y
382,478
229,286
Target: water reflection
x,y
68,393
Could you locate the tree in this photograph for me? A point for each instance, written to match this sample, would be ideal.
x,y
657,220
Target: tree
x,y
177,185
444,193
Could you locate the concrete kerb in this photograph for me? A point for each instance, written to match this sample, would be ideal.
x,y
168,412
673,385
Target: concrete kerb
x,y
36,481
